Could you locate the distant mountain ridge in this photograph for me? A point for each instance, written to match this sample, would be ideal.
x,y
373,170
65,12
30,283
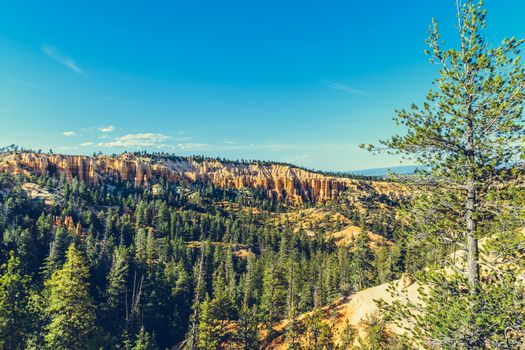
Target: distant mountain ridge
x,y
383,172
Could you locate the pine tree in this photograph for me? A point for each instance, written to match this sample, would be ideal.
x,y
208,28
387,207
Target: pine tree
x,y
293,330
14,298
469,132
383,264
140,242
223,295
362,261
116,291
273,300
448,316
377,336
470,129
70,308
192,338
247,334
348,336
209,328
145,341
252,282
57,252
319,335
117,278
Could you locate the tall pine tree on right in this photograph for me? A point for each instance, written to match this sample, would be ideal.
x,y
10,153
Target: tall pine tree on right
x,y
469,133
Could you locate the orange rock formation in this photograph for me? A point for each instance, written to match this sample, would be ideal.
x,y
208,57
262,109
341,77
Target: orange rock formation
x,y
278,181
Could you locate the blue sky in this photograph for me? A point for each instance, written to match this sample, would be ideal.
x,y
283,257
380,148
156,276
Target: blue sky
x,y
287,80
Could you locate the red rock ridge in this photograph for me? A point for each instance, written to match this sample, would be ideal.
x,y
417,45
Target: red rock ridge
x,y
279,181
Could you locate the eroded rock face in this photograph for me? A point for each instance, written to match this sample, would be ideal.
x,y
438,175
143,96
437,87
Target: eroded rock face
x,y
277,181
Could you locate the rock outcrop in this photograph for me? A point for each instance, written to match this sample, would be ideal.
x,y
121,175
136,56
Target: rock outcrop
x,y
278,181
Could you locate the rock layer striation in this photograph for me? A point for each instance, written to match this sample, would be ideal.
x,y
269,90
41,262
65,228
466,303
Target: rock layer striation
x,y
282,182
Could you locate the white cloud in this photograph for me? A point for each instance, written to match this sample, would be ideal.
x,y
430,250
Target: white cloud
x,y
149,140
191,145
342,87
87,144
137,141
69,133
109,128
66,148
60,57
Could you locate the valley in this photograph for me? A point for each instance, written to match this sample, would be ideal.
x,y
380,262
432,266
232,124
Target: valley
x,y
169,212
177,175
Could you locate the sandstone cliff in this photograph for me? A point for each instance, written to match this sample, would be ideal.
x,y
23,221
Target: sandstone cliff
x,y
276,180
279,181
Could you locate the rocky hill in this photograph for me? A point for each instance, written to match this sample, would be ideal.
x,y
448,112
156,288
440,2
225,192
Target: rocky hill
x,y
282,182
356,310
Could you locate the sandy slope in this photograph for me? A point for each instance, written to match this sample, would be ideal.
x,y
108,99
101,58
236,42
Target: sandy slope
x,y
356,308
348,235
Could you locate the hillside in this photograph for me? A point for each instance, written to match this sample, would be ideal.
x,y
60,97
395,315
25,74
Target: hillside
x,y
355,309
276,181
143,223
220,248
166,227
263,239
360,308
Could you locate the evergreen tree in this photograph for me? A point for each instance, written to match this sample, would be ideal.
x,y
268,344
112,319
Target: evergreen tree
x,y
247,334
348,336
470,130
117,278
158,306
495,313
377,336
70,307
145,341
383,264
57,252
192,339
273,300
293,331
116,291
209,328
362,261
140,241
14,299
319,335
223,301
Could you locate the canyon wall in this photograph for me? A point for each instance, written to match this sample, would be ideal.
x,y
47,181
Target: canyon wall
x,y
277,181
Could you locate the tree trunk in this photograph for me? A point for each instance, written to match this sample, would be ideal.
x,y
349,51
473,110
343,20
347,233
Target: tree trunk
x,y
192,341
470,205
472,240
